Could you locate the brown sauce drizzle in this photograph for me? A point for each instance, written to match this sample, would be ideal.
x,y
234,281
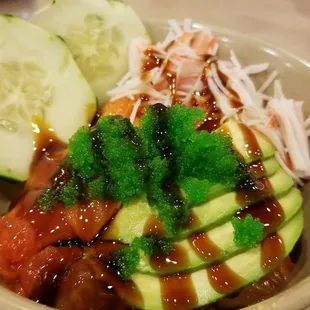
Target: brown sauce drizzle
x,y
95,119
177,257
223,279
273,251
45,139
193,221
204,247
251,191
178,292
213,117
257,169
252,148
152,60
269,212
207,102
153,226
172,80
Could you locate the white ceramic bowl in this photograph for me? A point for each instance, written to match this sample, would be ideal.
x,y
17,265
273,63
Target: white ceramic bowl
x,y
246,15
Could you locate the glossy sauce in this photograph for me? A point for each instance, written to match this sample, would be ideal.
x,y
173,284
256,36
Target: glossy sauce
x,y
206,101
269,212
204,247
251,191
223,279
273,251
45,139
61,224
152,60
213,117
172,80
193,221
257,169
51,227
178,292
251,145
177,257
153,226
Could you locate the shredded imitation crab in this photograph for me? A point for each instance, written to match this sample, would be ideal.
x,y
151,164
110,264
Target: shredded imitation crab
x,y
182,56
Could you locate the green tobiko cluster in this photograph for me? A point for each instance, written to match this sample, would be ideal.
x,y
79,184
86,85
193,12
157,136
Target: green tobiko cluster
x,y
165,158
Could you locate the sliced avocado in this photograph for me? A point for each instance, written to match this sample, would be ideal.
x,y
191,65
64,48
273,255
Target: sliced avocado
x,y
223,238
269,167
237,132
221,208
247,266
131,220
40,85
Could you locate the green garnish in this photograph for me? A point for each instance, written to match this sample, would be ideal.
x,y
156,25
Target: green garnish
x,y
248,231
200,154
172,210
80,154
70,193
166,159
47,199
127,259
190,160
195,191
96,188
119,145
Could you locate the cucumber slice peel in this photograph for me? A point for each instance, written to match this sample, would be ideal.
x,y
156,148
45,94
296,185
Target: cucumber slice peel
x,y
39,81
98,33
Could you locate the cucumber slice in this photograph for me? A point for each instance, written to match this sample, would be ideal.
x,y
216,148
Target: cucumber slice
x,y
39,81
98,33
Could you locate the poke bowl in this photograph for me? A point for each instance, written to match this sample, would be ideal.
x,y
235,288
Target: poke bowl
x,y
149,163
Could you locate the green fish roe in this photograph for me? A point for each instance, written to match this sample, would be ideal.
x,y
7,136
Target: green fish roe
x,y
127,259
248,231
166,159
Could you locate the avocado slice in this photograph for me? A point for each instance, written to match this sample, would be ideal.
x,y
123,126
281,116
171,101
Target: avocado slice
x,y
258,169
246,266
242,136
221,236
131,220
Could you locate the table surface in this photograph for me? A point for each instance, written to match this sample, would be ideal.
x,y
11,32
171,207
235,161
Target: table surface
x,y
285,23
